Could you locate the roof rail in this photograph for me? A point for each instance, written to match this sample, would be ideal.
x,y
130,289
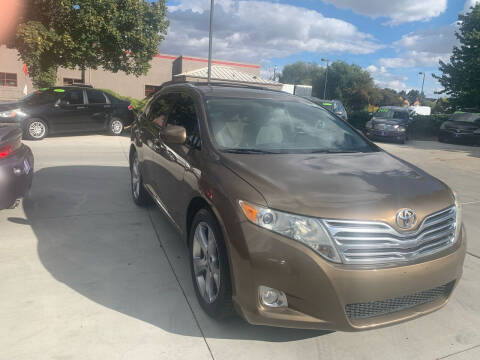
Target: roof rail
x,y
229,84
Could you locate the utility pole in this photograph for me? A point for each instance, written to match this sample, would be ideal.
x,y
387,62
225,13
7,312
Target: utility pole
x,y
212,5
326,79
275,73
423,82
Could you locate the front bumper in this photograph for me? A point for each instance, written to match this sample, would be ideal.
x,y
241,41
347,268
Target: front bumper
x,y
467,138
385,134
318,291
15,186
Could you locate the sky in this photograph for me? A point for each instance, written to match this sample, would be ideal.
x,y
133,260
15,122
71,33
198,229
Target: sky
x,y
393,40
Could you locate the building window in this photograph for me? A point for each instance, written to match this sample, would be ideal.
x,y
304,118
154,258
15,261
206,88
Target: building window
x,y
8,79
70,81
150,89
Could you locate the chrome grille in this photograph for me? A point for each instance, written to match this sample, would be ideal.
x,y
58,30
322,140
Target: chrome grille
x,y
383,307
370,242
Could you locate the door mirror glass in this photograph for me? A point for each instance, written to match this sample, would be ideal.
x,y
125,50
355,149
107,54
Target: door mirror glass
x,y
174,134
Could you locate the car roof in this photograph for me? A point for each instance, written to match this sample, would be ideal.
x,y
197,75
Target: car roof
x,y
236,91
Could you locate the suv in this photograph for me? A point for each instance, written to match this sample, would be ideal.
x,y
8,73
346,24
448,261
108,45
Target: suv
x,y
389,123
289,214
462,127
334,106
66,109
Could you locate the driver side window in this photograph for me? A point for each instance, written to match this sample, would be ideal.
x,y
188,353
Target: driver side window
x,y
183,113
160,109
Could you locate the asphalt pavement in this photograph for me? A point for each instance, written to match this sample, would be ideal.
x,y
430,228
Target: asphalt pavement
x,y
86,274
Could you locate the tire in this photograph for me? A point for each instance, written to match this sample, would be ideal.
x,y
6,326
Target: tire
x,y
208,255
115,127
35,129
140,196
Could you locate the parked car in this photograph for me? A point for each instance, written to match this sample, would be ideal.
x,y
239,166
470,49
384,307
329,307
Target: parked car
x,y
67,109
16,167
462,127
290,215
334,106
389,123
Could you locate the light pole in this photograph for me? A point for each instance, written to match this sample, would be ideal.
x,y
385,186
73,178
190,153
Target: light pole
x,y
326,79
210,42
423,81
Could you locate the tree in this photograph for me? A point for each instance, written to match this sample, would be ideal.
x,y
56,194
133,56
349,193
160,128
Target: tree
x,y
348,83
461,76
300,73
116,35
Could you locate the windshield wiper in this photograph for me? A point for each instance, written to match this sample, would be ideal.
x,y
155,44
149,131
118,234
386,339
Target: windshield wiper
x,y
334,151
249,151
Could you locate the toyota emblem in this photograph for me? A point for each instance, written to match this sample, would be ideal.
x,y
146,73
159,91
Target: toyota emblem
x,y
406,219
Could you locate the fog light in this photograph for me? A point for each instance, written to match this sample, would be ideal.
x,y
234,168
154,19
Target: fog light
x,y
272,297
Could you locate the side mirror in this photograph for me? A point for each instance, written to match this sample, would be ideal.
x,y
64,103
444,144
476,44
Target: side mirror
x,y
174,134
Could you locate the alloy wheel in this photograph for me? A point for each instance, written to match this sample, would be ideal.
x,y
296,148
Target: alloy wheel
x,y
136,183
37,130
206,265
117,127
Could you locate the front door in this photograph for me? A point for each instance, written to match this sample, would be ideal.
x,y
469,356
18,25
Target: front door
x,y
70,112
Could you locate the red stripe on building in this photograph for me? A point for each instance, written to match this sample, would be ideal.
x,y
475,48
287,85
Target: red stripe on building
x,y
166,56
222,62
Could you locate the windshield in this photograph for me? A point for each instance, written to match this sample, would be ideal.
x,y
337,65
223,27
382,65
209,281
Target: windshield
x,y
386,113
466,117
41,97
253,125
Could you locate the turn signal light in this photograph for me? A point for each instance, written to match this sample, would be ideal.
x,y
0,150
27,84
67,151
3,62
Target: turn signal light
x,y
249,211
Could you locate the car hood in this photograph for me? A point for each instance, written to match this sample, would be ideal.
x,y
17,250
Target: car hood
x,y
461,125
361,186
9,105
387,121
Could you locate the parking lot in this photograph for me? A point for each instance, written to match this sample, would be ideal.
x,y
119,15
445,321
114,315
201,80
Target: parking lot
x,y
85,274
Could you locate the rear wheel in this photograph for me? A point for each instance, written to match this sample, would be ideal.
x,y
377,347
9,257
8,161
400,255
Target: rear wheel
x,y
115,127
209,266
139,194
36,129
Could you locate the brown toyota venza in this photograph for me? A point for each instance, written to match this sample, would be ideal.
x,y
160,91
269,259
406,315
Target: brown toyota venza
x,y
291,216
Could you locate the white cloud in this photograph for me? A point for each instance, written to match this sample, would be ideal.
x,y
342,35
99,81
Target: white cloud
x,y
396,85
384,79
255,31
398,11
469,4
423,48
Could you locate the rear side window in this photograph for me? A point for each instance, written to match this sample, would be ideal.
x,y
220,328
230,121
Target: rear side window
x,y
74,97
96,97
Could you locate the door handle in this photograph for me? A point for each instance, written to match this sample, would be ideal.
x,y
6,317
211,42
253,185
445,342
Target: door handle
x,y
81,107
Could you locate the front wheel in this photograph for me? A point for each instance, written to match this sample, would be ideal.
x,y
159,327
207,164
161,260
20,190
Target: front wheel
x,y
209,266
36,129
115,127
139,194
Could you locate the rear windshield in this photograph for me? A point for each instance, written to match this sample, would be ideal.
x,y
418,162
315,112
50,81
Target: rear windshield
x,y
386,113
466,117
280,127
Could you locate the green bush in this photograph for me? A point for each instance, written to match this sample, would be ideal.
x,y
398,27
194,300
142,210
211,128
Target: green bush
x,y
426,127
358,119
137,104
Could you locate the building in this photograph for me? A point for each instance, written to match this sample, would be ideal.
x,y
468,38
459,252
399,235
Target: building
x,y
163,68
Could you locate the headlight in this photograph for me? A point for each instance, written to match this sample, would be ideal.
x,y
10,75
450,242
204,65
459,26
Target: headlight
x,y
306,230
458,220
442,126
401,128
368,125
12,113
477,131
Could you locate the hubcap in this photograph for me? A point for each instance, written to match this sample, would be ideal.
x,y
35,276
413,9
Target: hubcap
x,y
117,127
206,265
135,178
37,129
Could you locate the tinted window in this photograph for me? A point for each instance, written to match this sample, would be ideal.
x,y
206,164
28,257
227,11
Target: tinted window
x,y
183,114
74,97
466,117
280,126
159,109
96,97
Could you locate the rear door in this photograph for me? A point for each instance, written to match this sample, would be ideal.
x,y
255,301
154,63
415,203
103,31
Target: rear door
x,y
70,111
99,110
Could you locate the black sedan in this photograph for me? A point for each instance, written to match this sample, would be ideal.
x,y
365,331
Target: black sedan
x,y
67,109
463,127
16,167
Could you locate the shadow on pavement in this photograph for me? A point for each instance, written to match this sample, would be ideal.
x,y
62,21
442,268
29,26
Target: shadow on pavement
x,y
94,240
